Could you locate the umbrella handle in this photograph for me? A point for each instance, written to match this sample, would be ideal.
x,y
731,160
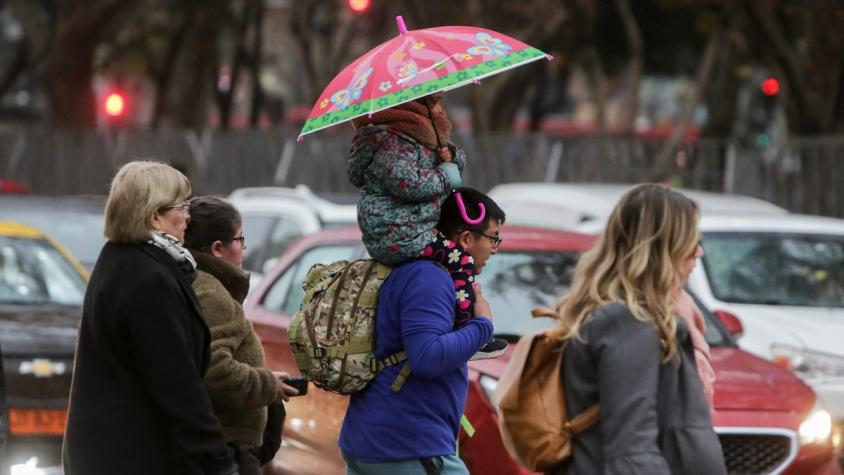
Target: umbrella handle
x,y
400,23
462,207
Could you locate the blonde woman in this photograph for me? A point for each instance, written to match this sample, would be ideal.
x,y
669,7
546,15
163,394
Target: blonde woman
x,y
137,402
626,350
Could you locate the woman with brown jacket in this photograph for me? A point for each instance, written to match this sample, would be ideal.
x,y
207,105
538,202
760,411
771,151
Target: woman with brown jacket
x,y
239,385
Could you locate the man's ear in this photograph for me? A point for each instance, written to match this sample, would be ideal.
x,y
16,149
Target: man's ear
x,y
465,239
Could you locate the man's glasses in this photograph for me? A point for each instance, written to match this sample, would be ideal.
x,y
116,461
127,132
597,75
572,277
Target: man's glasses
x,y
496,240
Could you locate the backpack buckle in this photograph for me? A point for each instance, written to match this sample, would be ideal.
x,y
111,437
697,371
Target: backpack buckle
x,y
318,352
373,365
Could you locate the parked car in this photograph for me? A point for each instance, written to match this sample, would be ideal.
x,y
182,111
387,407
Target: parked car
x,y
768,420
41,292
775,278
274,217
74,221
571,205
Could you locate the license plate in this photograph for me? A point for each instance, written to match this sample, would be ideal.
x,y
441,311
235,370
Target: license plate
x,y
37,421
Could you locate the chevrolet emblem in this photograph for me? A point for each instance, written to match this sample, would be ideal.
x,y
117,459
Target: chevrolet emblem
x,y
42,368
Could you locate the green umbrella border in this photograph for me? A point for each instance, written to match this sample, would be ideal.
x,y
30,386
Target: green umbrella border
x,y
451,81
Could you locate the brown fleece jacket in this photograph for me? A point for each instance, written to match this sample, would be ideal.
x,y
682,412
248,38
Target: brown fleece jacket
x,y
238,384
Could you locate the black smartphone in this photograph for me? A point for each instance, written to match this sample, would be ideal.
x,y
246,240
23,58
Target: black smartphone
x,y
298,382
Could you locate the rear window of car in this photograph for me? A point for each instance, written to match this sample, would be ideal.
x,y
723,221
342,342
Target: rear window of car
x,y
33,272
775,269
515,283
286,293
81,233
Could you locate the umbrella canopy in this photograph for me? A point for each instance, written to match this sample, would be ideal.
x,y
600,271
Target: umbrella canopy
x,y
414,64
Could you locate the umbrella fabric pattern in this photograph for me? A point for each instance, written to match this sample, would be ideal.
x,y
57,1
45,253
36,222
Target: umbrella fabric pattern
x,y
414,64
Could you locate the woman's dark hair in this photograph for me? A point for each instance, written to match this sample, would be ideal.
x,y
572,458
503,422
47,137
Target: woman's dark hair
x,y
451,222
212,218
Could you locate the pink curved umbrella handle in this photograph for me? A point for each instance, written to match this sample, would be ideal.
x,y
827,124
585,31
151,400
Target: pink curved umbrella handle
x,y
462,207
400,23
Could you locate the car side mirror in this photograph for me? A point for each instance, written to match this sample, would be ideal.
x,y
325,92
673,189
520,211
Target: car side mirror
x,y
731,322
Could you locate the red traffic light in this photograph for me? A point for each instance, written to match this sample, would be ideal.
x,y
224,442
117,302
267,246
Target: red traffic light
x,y
770,87
115,105
359,5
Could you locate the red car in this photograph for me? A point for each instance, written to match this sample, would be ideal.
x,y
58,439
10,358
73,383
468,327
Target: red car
x,y
767,420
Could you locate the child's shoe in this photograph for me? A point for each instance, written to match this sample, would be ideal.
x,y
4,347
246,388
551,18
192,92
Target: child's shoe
x,y
493,348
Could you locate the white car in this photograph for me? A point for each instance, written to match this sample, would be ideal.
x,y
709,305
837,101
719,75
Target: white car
x,y
274,217
775,278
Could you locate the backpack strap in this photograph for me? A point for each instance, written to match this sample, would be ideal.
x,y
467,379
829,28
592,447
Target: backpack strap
x,y
401,378
394,359
584,420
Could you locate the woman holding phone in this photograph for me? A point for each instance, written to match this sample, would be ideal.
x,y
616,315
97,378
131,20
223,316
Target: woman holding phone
x,y
240,387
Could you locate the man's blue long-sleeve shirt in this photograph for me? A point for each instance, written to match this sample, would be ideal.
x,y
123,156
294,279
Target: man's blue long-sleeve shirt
x,y
415,314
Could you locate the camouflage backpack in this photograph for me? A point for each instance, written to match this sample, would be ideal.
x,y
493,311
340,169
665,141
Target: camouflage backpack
x,y
332,336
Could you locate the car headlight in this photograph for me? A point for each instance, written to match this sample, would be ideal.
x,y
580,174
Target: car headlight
x,y
488,385
808,364
817,428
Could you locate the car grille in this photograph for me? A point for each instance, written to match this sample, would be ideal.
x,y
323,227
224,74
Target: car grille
x,y
751,454
34,391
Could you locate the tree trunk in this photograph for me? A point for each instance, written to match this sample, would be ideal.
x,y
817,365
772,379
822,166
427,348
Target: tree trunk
x,y
18,64
225,98
163,74
634,66
256,64
593,64
196,68
702,78
69,69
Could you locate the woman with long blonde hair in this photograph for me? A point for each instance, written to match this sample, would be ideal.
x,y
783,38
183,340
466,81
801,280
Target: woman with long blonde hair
x,y
627,351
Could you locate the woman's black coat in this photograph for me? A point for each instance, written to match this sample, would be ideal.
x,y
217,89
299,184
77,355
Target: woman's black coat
x,y
138,404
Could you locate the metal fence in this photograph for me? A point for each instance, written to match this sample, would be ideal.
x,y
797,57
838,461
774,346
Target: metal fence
x,y
802,174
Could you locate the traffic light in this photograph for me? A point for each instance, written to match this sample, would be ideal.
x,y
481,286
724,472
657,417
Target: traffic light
x,y
770,87
114,105
359,5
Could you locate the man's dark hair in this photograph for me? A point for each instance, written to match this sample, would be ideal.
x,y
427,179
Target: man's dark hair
x,y
212,218
451,222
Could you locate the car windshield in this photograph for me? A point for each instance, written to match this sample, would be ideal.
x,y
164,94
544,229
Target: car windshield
x,y
514,283
776,269
33,272
79,232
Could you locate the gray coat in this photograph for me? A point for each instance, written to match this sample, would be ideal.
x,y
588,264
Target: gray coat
x,y
654,417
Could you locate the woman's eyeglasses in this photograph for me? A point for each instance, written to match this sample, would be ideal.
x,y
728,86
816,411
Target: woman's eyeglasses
x,y
184,207
240,238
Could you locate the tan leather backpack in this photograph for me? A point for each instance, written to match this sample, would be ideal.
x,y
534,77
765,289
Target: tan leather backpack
x,y
534,423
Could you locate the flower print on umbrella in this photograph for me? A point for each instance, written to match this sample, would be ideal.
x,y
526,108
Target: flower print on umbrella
x,y
408,70
344,97
489,46
434,65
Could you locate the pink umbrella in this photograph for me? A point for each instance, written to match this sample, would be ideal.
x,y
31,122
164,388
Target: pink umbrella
x,y
414,64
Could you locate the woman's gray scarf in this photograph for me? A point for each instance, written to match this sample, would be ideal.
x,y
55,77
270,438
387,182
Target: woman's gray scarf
x,y
184,259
